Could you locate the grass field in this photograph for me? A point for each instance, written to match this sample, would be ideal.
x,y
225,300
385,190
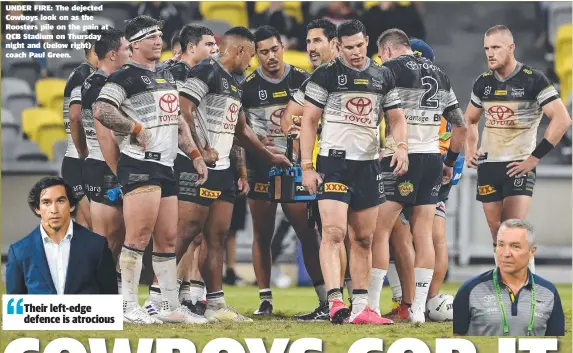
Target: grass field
x,y
287,302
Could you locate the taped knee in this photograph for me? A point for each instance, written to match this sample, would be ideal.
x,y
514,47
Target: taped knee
x,y
144,189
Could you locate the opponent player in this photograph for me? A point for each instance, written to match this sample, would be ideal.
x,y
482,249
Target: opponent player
x,y
265,95
514,97
426,95
100,166
149,101
354,93
321,46
77,149
211,103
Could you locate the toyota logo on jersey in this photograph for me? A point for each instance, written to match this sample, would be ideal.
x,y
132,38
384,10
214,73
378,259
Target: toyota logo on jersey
x,y
500,112
232,112
169,103
499,116
276,116
359,105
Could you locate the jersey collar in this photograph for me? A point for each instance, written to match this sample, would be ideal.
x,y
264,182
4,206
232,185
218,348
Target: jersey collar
x,y
366,65
272,80
518,68
527,282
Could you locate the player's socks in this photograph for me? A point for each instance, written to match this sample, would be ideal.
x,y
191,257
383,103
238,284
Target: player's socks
x,y
376,282
394,281
320,290
165,268
130,262
265,295
360,300
216,300
185,291
531,264
423,278
196,291
332,295
155,294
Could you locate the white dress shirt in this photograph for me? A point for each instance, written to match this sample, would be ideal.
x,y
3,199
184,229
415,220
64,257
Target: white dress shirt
x,y
58,256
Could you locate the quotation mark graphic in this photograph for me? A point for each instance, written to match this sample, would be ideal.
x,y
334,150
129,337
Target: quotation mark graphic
x,y
19,307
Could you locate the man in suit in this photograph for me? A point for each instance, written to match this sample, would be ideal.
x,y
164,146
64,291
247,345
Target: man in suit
x,y
59,256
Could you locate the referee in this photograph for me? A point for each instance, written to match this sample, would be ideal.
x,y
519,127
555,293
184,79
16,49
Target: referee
x,y
510,300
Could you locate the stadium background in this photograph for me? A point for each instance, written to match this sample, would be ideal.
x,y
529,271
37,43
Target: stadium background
x,y
33,136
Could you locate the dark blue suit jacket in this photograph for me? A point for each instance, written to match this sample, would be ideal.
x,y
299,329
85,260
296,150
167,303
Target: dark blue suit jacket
x,y
91,269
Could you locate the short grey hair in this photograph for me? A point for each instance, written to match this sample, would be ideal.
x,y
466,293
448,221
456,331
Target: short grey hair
x,y
521,224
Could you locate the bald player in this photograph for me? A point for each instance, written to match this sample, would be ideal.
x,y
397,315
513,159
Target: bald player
x,y
513,97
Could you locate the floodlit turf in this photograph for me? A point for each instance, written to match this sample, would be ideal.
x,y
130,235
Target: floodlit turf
x,y
287,302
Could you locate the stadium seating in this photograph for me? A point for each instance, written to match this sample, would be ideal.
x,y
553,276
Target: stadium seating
x,y
48,134
563,57
10,134
235,13
48,90
34,118
559,13
59,151
28,151
292,8
26,69
298,59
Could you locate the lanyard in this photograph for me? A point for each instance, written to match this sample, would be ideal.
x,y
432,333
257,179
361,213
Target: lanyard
x,y
502,308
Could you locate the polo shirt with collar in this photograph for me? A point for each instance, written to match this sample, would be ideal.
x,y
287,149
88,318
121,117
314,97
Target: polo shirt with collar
x,y
477,312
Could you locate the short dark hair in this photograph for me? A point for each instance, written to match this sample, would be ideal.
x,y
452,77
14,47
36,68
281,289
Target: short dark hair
x,y
241,32
266,32
175,40
193,34
47,182
393,37
91,42
110,40
138,23
349,28
327,26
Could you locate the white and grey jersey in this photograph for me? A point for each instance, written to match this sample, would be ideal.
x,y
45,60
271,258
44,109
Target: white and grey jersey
x,y
90,92
477,311
352,101
513,109
150,98
217,96
264,100
426,94
72,95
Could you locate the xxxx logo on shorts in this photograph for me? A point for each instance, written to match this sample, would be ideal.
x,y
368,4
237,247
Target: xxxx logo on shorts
x,y
406,188
210,194
485,190
335,187
260,187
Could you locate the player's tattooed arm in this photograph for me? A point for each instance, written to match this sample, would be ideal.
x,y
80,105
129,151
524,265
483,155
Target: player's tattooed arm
x,y
110,117
186,143
455,117
238,157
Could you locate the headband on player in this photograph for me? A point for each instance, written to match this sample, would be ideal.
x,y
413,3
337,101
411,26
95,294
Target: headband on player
x,y
145,33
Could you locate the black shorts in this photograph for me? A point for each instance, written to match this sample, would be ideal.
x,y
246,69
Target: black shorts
x,y
239,214
443,196
357,183
220,184
493,183
133,173
258,176
98,179
72,174
420,185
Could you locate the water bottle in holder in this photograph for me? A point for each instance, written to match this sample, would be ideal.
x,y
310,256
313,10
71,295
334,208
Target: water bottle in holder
x,y
115,195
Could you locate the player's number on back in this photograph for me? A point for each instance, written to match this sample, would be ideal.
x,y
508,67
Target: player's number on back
x,y
427,100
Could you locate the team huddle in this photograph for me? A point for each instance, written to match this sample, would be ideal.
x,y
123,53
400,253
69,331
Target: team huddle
x,y
378,144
